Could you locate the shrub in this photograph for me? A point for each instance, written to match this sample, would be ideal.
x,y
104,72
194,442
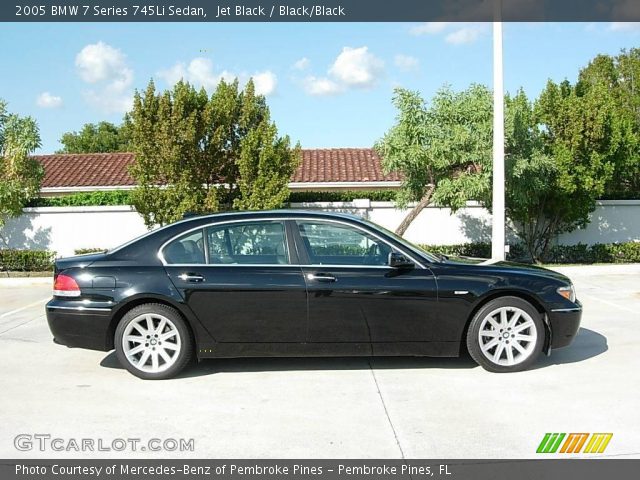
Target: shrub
x,y
84,251
122,197
479,250
628,252
84,199
26,260
342,196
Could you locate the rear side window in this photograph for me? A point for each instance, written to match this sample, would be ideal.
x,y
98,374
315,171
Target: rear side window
x,y
251,243
188,249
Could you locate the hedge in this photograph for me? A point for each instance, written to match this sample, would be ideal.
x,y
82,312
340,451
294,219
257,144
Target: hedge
x,y
85,251
85,199
342,196
628,252
621,195
122,197
26,260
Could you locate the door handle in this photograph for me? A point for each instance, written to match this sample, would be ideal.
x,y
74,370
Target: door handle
x,y
322,277
191,277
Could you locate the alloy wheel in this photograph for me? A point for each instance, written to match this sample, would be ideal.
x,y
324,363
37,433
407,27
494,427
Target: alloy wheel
x,y
507,336
151,343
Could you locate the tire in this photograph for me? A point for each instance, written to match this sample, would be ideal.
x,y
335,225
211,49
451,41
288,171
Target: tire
x,y
506,335
153,342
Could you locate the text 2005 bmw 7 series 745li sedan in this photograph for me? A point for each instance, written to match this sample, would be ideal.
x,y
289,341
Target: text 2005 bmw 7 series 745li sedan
x,y
300,283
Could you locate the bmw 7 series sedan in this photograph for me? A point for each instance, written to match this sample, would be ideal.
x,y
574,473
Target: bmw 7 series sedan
x,y
300,283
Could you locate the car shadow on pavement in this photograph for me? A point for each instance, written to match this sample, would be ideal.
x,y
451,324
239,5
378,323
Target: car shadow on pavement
x,y
212,366
237,365
586,345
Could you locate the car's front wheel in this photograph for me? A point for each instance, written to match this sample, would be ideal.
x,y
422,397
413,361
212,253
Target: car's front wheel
x,y
153,342
506,335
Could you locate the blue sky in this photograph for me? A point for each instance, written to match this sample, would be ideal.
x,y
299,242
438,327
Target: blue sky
x,y
328,85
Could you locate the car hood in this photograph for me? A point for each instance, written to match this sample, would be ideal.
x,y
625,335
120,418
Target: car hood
x,y
507,267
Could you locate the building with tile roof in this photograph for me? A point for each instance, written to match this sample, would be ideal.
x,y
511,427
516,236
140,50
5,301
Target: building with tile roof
x,y
320,169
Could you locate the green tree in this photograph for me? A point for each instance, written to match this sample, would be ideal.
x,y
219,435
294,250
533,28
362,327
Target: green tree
x,y
103,137
443,150
532,194
561,152
192,151
20,175
620,77
265,167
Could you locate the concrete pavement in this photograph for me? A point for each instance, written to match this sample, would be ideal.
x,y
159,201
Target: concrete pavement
x,y
330,408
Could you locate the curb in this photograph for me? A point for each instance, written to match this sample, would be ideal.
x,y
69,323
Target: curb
x,y
25,281
612,269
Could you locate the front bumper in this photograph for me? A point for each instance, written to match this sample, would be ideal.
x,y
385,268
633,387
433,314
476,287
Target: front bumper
x,y
76,325
565,323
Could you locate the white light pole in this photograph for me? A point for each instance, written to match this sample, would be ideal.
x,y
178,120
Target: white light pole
x,y
498,229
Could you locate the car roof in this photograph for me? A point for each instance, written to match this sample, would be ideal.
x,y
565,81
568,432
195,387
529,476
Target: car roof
x,y
270,213
195,221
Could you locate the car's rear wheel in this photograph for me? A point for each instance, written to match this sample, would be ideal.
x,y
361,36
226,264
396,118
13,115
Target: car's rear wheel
x,y
153,342
506,335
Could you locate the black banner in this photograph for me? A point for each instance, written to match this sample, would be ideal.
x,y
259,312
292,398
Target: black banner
x,y
319,10
584,469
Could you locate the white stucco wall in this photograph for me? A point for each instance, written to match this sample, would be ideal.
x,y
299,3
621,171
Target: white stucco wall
x,y
612,221
433,226
64,229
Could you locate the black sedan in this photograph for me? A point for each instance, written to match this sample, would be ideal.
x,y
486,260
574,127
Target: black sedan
x,y
300,283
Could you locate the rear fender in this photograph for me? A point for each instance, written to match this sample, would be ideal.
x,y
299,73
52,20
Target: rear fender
x,y
201,335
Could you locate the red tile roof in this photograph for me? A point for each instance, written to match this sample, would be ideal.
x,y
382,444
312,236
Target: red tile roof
x,y
341,165
110,169
86,170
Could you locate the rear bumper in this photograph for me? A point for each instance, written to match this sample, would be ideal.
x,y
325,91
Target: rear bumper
x,y
565,324
79,326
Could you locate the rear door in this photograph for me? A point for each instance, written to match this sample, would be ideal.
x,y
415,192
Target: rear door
x,y
240,281
354,296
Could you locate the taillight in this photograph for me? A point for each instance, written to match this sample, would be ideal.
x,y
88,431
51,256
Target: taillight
x,y
65,286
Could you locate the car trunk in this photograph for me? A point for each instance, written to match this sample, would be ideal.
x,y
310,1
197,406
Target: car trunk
x,y
78,261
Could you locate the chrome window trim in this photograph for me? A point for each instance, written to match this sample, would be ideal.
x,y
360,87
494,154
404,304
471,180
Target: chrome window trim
x,y
297,265
205,226
418,263
159,229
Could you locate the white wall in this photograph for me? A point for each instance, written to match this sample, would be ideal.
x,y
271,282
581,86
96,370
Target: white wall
x,y
64,229
612,221
433,226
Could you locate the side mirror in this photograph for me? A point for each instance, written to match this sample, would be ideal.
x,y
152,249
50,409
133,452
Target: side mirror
x,y
399,260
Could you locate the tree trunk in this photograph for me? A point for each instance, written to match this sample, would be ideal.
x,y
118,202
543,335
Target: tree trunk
x,y
415,211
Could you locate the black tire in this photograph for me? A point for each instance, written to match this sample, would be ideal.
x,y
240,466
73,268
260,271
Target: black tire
x,y
506,339
181,337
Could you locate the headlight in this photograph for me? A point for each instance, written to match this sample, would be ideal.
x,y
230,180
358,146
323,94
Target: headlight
x,y
568,292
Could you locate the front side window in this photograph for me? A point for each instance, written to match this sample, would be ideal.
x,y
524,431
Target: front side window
x,y
188,249
335,244
248,243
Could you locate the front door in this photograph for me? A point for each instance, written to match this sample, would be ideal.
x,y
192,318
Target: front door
x,y
238,279
355,296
